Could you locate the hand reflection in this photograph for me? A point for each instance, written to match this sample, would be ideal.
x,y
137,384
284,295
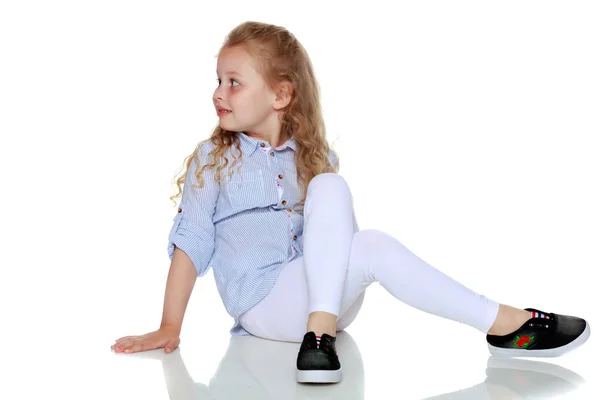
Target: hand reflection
x,y
255,368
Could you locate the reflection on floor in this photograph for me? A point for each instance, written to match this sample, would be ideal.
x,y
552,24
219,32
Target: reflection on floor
x,y
255,368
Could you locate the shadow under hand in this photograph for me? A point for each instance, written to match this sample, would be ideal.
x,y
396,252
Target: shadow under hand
x,y
256,368
515,378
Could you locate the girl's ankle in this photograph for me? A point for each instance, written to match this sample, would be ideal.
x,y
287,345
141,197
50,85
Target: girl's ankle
x,y
509,320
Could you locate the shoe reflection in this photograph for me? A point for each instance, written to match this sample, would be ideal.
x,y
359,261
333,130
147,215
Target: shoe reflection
x,y
256,368
516,378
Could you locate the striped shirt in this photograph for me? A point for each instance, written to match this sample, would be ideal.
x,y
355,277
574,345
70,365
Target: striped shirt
x,y
247,228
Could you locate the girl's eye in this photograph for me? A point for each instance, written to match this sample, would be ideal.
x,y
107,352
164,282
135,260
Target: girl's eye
x,y
232,80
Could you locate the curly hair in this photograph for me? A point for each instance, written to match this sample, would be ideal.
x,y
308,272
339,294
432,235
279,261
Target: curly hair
x,y
279,57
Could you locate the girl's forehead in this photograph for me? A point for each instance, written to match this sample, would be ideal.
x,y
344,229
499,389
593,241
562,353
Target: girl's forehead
x,y
235,62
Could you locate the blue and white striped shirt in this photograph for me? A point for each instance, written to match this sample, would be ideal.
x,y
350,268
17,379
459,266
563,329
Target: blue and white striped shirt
x,y
247,228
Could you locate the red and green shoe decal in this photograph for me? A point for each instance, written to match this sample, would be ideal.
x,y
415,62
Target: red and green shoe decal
x,y
523,341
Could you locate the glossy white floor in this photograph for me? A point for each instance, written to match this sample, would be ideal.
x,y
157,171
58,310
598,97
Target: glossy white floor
x,y
429,358
410,356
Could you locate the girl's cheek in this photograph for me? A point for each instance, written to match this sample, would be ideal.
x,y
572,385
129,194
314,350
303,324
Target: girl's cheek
x,y
233,95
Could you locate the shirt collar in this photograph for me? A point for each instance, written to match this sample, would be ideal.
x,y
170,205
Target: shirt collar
x,y
249,144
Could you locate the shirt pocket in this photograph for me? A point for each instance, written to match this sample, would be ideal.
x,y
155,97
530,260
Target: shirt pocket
x,y
246,190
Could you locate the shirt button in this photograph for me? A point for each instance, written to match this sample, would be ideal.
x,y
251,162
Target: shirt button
x,y
280,176
295,237
289,210
262,145
179,210
284,202
272,153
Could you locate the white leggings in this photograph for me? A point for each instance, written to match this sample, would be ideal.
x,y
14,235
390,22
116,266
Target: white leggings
x,y
340,262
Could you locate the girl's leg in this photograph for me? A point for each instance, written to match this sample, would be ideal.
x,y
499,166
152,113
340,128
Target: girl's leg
x,y
339,263
329,228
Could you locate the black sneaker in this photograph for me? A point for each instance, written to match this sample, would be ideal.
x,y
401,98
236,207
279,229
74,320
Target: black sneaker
x,y
547,335
318,365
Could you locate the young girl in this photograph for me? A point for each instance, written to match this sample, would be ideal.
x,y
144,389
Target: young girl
x,y
289,260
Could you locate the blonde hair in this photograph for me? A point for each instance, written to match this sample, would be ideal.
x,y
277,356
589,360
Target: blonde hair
x,y
279,57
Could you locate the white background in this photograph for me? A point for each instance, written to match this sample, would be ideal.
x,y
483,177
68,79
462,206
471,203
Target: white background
x,y
468,130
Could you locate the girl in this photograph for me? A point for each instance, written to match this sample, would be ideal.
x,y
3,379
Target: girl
x,y
289,260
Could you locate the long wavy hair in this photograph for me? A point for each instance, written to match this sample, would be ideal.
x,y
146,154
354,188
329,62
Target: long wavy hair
x,y
279,57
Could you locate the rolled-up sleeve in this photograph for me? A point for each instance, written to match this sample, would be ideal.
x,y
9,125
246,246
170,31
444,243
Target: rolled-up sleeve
x,y
193,230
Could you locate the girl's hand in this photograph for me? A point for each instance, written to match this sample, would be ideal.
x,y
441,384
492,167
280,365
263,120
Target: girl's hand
x,y
166,336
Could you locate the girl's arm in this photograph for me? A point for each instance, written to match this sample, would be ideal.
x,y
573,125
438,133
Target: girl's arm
x,y
180,283
191,239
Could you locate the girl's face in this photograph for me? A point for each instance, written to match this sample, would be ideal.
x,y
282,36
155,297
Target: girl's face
x,y
243,92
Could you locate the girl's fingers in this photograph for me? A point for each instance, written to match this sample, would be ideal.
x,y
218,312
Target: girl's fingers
x,y
125,338
132,344
137,346
170,347
123,344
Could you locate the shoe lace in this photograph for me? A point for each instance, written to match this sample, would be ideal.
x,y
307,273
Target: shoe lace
x,y
544,325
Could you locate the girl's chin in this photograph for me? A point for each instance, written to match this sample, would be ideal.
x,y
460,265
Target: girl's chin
x,y
228,126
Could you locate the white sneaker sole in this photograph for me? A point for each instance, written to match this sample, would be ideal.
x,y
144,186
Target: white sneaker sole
x,y
556,352
318,376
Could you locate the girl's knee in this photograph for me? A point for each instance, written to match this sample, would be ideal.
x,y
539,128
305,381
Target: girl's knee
x,y
371,248
368,239
379,241
329,179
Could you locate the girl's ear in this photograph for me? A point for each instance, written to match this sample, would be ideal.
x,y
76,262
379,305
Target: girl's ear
x,y
283,95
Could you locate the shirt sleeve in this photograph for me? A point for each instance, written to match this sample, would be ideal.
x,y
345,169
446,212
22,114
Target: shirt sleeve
x,y
193,230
